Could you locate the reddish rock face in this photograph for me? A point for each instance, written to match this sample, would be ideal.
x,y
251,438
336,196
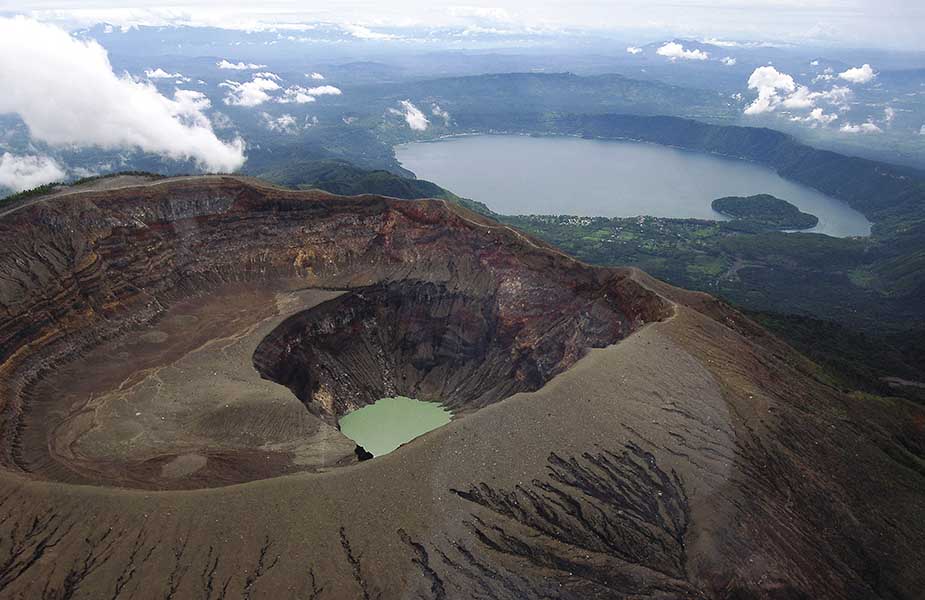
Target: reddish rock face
x,y
440,304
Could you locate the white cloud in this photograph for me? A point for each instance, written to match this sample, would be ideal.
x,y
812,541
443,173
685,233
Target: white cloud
x,y
324,90
922,130
301,95
674,51
802,98
867,127
728,61
412,114
316,75
365,33
837,96
889,113
633,49
296,95
721,43
26,172
267,75
238,66
827,75
779,90
814,63
817,117
67,94
734,44
439,112
768,81
249,93
160,73
862,74
281,124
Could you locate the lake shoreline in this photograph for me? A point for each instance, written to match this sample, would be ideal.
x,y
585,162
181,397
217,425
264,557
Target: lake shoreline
x,y
524,173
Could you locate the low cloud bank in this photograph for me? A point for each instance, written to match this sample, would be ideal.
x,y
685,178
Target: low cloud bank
x,y
249,93
324,90
441,113
674,51
862,74
281,124
25,172
867,127
160,73
412,115
238,66
67,94
817,117
265,87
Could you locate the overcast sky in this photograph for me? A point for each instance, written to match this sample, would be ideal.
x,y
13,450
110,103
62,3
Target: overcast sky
x,y
871,23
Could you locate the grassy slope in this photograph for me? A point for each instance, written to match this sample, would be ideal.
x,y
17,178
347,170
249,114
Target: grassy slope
x,y
341,177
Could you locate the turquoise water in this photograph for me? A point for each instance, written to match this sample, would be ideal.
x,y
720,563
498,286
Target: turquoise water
x,y
391,422
518,175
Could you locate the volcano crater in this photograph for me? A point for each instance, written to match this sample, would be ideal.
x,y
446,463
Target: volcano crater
x,y
191,334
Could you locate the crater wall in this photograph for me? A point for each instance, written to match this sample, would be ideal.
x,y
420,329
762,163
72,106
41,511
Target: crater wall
x,y
440,304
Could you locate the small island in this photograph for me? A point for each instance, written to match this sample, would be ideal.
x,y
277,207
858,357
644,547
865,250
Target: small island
x,y
764,211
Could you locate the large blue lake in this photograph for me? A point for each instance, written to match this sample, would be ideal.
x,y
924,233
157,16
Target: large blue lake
x,y
565,175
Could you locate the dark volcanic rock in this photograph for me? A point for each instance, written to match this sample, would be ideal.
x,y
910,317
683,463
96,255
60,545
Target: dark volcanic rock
x,y
362,453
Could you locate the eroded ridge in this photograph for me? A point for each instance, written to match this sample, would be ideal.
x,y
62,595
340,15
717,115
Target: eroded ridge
x,y
117,364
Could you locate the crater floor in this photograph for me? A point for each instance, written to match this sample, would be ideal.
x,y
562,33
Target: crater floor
x,y
179,403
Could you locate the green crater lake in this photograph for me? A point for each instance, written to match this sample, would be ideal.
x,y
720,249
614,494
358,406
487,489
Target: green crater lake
x,y
387,424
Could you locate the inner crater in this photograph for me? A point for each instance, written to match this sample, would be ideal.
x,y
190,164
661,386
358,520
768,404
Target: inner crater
x,y
462,348
201,334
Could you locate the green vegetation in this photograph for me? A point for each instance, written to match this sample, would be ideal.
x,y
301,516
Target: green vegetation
x,y
764,211
30,193
341,177
853,359
49,188
817,292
